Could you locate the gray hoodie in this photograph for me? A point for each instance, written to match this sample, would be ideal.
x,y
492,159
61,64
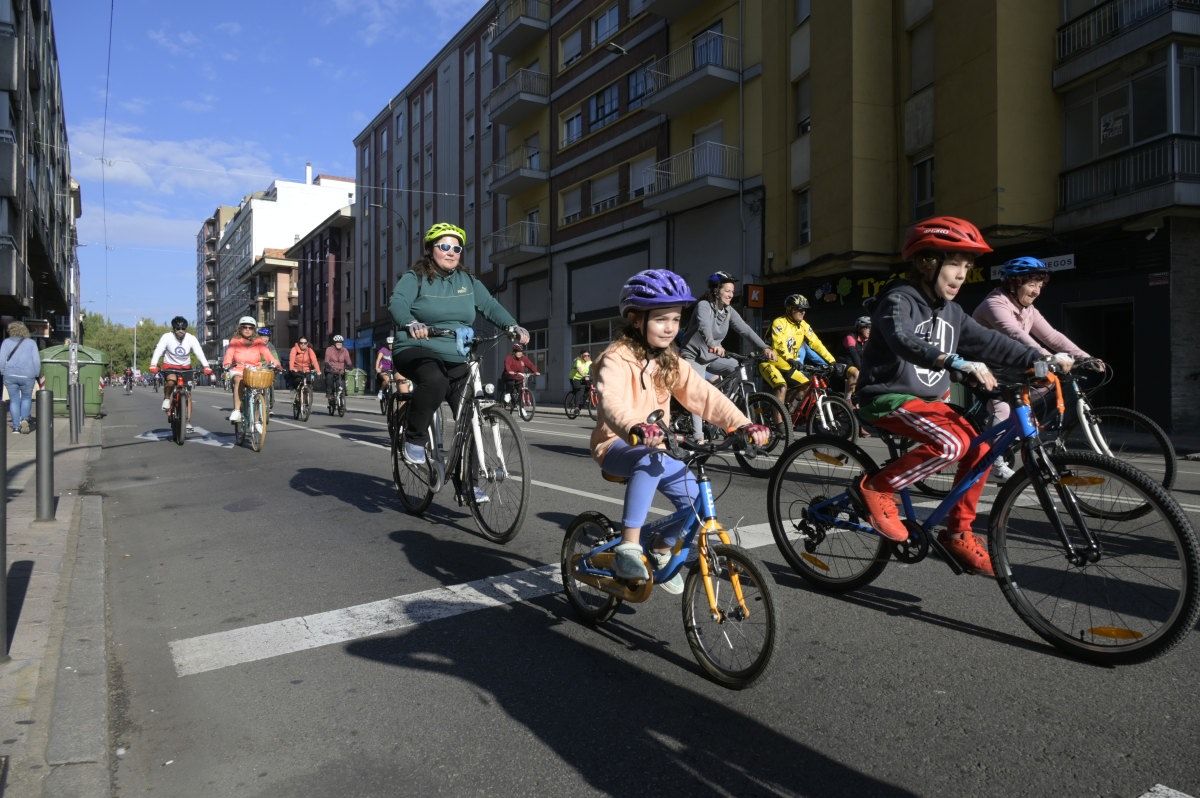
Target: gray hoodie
x,y
708,327
909,334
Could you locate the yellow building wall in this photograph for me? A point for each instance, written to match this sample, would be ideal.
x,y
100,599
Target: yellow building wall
x,y
773,126
873,128
832,82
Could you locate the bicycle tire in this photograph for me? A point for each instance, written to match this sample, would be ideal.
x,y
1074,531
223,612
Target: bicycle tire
x,y
296,408
815,469
175,419
499,519
306,404
414,481
736,648
257,431
844,424
587,531
239,429
527,406
590,404
571,405
767,410
1121,427
1158,556
341,406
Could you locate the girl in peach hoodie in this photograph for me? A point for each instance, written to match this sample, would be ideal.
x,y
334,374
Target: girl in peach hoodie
x,y
637,374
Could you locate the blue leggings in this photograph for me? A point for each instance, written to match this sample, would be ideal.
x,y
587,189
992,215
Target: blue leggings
x,y
649,469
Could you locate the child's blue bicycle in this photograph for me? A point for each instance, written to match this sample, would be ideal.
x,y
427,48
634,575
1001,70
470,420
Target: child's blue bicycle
x,y
728,613
1091,553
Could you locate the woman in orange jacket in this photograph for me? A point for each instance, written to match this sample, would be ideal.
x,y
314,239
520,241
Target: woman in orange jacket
x,y
245,349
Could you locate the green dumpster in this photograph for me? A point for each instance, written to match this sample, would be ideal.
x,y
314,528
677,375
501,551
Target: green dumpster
x,y
93,364
356,382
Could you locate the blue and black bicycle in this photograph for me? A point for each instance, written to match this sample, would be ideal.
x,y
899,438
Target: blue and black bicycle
x,y
1091,553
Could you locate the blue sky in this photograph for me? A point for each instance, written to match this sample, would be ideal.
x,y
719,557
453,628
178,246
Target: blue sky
x,y
208,102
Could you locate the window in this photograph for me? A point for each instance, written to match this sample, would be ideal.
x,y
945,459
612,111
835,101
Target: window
x,y
569,203
641,175
572,46
803,106
366,156
637,6
533,152
428,100
709,47
604,192
469,61
803,220
1105,116
920,56
572,127
535,350
533,225
383,142
922,188
416,114
638,83
594,336
469,193
400,176
469,127
400,125
803,10
603,107
604,25
428,158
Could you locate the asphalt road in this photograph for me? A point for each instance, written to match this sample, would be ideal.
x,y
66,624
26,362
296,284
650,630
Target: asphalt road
x,y
920,684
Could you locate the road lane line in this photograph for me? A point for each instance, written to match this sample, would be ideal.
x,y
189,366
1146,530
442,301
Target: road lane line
x,y
262,641
1163,791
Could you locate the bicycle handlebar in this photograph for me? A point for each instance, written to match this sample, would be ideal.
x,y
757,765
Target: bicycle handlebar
x,y
736,440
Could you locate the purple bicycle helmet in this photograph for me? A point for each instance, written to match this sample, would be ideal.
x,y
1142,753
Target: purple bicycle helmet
x,y
655,288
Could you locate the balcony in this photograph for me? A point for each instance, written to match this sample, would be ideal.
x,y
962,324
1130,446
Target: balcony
x,y
670,9
1154,176
521,94
696,73
1117,28
210,257
704,173
518,171
519,24
518,243
9,57
9,162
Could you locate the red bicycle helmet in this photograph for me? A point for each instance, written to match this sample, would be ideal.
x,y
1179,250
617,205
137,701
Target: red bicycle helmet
x,y
945,234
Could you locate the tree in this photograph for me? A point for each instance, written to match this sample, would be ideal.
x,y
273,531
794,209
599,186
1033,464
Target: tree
x,y
116,340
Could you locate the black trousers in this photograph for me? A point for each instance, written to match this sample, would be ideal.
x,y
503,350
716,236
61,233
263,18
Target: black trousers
x,y
434,381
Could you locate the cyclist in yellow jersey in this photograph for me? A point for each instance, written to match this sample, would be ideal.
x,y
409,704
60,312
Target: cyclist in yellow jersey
x,y
581,370
795,344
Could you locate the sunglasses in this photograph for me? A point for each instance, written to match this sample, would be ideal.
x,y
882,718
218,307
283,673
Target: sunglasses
x,y
455,248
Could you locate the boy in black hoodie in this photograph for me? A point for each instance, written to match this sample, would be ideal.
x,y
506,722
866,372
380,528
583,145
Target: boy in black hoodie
x,y
918,333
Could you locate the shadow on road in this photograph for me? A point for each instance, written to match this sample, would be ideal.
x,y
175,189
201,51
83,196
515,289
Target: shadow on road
x,y
621,729
456,562
367,492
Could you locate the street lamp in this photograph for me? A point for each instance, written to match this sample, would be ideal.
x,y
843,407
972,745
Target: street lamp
x,y
136,324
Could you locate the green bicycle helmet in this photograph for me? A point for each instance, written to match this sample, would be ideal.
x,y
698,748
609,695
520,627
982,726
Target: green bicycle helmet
x,y
440,229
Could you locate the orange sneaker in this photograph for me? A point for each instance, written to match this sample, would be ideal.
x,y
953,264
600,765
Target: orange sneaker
x,y
969,551
881,511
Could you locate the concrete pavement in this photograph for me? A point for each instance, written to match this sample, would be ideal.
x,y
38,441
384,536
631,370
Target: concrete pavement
x,y
53,690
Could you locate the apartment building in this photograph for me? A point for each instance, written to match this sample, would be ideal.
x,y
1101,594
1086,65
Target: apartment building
x,y
326,263
1063,129
255,277
39,202
208,267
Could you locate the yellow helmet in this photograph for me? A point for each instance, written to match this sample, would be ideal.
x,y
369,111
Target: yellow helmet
x,y
440,229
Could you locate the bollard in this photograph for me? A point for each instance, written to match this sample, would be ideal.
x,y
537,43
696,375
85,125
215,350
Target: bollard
x,y
75,409
72,431
4,532
45,456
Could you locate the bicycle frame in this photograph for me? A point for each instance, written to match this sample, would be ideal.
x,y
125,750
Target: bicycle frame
x,y
811,398
1019,426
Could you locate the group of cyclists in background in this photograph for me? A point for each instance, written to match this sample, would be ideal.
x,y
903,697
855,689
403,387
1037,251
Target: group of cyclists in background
x,y
898,364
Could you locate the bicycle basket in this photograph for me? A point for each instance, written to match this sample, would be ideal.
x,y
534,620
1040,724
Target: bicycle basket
x,y
258,378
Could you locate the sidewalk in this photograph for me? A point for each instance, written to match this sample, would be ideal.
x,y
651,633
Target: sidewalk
x,y
53,690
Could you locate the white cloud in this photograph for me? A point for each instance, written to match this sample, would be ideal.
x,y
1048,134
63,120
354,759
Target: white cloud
x,y
380,19
138,229
174,43
230,28
134,105
315,63
229,56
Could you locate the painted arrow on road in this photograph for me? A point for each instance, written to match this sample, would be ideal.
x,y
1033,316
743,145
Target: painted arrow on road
x,y
201,435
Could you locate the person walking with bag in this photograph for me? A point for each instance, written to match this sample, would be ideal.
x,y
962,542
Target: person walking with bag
x,y
22,366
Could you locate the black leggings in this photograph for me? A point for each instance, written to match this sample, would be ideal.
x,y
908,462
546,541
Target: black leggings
x,y
434,381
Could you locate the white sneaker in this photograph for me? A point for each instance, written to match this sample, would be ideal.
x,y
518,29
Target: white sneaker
x,y
166,404
1001,472
628,564
380,395
190,428
258,427
235,417
414,453
674,585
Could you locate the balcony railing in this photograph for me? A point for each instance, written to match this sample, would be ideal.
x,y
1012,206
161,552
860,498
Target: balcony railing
x,y
1109,20
518,24
518,242
1165,160
533,86
704,160
523,162
707,49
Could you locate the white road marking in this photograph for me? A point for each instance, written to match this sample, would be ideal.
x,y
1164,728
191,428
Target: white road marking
x,y
1163,791
267,640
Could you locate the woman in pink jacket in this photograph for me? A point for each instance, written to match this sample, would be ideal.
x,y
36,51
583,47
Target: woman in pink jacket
x,y
637,374
245,349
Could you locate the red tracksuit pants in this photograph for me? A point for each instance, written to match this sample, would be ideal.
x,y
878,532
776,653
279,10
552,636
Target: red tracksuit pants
x,y
945,438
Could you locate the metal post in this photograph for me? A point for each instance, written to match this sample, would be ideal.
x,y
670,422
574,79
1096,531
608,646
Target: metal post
x,y
74,417
45,456
4,533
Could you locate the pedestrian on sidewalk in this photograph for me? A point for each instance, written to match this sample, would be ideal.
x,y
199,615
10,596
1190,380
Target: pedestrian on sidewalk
x,y
21,366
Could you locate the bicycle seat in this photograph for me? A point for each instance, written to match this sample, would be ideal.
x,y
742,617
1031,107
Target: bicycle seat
x,y
614,478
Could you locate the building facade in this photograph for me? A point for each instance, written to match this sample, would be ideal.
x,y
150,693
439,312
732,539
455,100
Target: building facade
x,y
208,267
325,258
39,202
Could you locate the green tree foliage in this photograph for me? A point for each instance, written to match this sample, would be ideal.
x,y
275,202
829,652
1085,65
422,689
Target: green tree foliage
x,y
117,340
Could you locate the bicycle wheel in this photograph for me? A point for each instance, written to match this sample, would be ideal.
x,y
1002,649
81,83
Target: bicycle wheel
x,y
816,526
1131,437
585,533
765,409
528,406
414,482
296,407
735,647
258,421
838,419
306,403
341,405
590,404
1138,600
503,476
571,405
175,416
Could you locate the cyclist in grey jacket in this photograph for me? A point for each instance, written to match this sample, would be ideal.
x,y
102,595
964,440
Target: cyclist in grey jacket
x,y
701,343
